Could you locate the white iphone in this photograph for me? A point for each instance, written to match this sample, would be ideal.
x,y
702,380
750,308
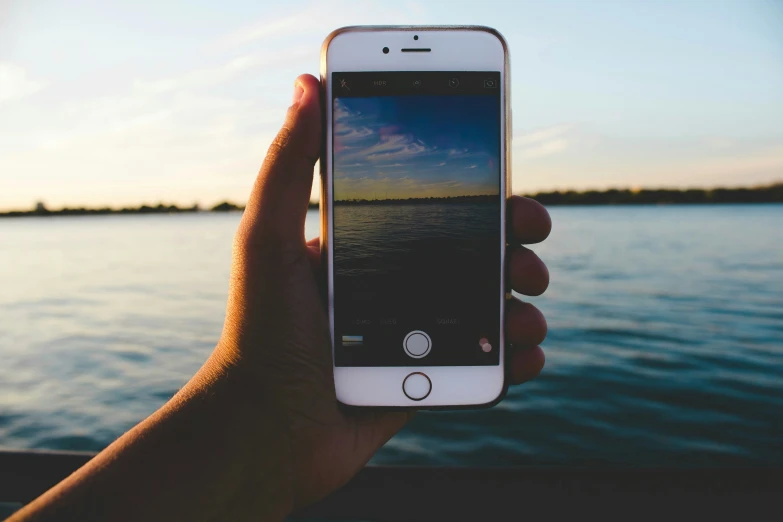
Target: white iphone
x,y
414,185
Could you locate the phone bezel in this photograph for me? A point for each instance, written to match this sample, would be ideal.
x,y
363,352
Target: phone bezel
x,y
468,48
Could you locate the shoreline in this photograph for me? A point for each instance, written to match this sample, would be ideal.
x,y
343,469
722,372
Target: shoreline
x,y
613,197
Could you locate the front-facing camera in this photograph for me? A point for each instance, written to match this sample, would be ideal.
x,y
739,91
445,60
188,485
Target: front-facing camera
x,y
385,50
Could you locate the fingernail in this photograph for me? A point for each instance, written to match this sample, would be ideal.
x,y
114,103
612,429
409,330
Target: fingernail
x,y
298,92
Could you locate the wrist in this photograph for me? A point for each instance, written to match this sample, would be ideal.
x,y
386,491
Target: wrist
x,y
240,429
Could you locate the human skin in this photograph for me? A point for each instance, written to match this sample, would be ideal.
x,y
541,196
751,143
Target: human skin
x,y
257,433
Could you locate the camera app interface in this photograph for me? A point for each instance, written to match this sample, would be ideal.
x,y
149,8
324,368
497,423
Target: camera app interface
x,y
416,218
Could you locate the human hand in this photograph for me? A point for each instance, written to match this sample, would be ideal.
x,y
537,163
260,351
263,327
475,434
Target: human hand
x,y
257,433
276,335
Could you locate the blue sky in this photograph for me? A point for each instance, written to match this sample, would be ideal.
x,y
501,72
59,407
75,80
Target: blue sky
x,y
401,147
129,102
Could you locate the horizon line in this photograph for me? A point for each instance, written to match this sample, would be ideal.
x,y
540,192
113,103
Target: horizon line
x,y
421,197
553,197
529,194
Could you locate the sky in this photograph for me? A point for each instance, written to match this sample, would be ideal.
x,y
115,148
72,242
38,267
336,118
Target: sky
x,y
401,147
120,103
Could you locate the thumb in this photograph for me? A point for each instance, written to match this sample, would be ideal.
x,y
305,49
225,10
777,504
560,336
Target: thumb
x,y
277,206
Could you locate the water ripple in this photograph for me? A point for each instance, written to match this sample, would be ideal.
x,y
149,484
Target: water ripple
x,y
665,344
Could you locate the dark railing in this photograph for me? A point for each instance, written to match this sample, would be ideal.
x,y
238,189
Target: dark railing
x,y
486,494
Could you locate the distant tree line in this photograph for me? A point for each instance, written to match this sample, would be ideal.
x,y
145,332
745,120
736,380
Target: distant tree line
x,y
41,210
448,199
768,194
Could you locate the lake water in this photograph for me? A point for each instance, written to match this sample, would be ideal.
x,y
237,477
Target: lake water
x,y
665,343
432,266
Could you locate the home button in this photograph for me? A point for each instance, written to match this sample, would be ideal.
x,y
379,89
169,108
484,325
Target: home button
x,y
416,386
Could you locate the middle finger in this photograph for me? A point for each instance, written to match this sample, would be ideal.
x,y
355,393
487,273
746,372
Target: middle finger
x,y
527,274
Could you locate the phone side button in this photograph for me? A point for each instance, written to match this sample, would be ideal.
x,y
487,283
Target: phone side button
x,y
416,386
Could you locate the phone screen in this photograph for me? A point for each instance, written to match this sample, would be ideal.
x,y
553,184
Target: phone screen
x,y
416,191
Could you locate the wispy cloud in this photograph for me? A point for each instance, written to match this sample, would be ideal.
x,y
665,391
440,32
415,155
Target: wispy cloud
x,y
264,30
344,118
15,84
396,146
542,142
348,134
541,135
198,77
378,144
546,148
171,128
310,20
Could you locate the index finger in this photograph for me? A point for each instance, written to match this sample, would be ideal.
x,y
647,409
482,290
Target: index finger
x,y
528,220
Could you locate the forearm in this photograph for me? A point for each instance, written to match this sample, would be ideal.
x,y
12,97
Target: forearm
x,y
208,454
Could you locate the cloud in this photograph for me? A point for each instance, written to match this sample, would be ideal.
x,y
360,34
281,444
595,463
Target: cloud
x,y
373,141
309,20
265,29
198,77
347,134
396,146
197,102
546,148
179,138
211,76
471,167
343,115
15,84
351,129
541,135
542,142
